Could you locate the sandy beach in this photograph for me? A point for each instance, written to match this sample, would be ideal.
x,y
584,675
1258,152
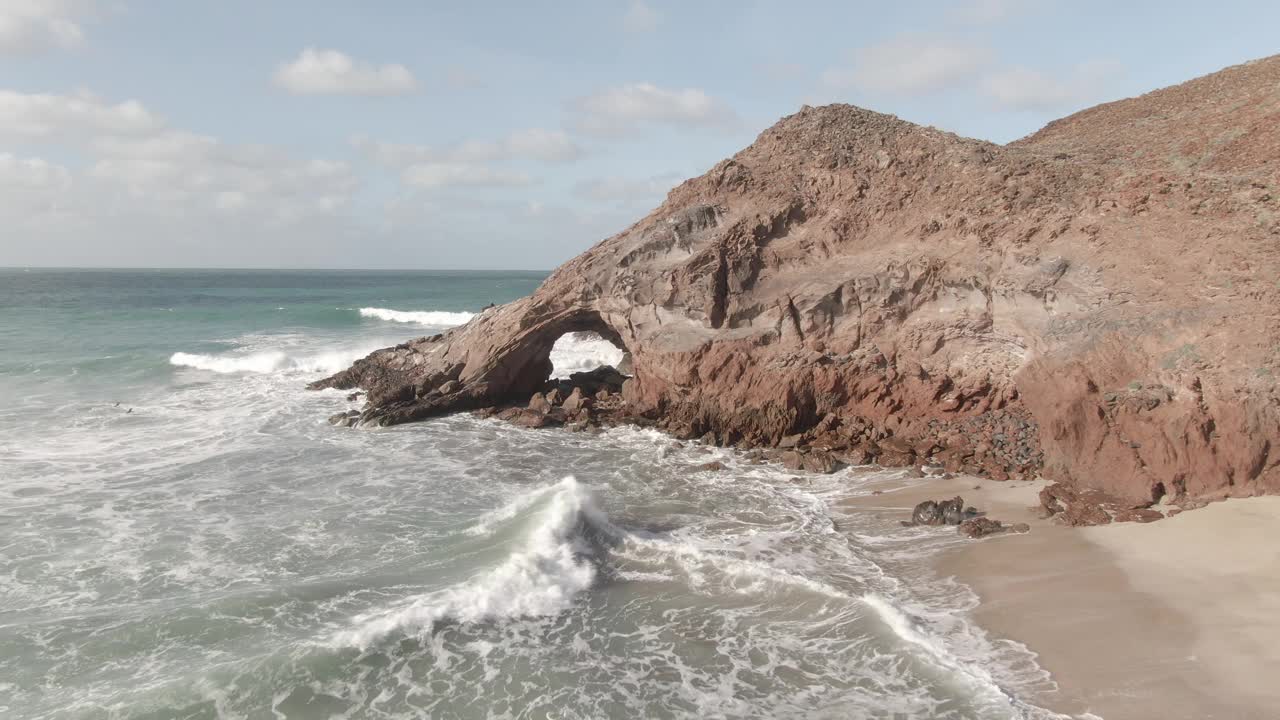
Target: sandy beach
x,y
1174,619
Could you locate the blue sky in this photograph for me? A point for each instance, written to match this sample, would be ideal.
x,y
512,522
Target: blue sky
x,y
402,134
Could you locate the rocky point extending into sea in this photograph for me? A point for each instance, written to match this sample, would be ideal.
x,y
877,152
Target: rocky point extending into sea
x,y
1096,303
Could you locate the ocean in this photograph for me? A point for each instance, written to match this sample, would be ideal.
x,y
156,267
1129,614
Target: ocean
x,y
183,535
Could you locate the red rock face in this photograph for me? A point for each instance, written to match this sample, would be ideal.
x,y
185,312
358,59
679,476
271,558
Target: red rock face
x,y
1099,301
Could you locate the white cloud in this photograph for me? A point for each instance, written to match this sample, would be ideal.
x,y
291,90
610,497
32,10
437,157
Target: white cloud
x,y
627,191
33,25
200,172
329,72
137,166
435,175
24,115
910,64
471,163
621,109
641,17
530,144
545,145
16,172
31,191
1021,88
393,154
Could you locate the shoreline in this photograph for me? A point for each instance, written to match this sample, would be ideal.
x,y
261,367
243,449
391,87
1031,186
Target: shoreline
x,y
1174,619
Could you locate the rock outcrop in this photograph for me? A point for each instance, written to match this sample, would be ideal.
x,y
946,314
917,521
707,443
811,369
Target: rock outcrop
x,y
941,512
1098,302
980,527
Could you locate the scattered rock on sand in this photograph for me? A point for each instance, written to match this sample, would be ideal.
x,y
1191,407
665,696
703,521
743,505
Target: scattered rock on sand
x,y
945,512
980,527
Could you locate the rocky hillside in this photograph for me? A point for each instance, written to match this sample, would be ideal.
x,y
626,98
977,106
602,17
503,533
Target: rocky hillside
x,y
1098,302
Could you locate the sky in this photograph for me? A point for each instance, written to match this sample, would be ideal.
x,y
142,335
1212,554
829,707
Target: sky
x,y
406,134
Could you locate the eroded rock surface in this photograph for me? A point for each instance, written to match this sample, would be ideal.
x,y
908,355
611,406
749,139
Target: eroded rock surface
x,y
1097,302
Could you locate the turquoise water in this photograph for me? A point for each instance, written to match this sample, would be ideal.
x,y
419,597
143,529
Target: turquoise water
x,y
182,535
122,326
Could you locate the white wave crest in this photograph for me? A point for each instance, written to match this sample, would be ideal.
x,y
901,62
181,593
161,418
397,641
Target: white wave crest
x,y
437,318
271,362
582,352
913,632
542,578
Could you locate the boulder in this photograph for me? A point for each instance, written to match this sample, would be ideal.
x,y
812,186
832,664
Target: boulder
x,y
819,461
926,513
534,419
980,527
577,401
349,418
792,460
941,512
952,511
539,403
1076,507
791,441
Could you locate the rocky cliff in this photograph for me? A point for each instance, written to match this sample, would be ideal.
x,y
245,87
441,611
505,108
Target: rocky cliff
x,y
1098,302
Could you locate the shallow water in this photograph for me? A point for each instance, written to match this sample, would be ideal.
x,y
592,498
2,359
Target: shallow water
x,y
211,547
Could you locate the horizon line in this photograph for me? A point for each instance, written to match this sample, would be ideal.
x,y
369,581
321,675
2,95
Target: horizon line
x,y
270,269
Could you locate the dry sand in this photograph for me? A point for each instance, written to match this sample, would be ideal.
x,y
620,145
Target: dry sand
x,y
1170,620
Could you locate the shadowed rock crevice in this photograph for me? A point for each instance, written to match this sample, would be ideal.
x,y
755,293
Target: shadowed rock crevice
x,y
1082,303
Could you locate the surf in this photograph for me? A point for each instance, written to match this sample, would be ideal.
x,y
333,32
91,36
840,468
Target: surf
x,y
557,561
272,362
438,318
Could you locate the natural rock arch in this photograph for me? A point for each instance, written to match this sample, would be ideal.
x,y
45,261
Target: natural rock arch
x,y
1060,305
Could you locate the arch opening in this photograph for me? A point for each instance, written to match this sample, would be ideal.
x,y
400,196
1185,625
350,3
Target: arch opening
x,y
580,343
584,351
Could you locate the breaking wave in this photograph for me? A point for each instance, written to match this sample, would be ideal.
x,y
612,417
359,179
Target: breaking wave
x,y
271,361
582,352
555,563
437,318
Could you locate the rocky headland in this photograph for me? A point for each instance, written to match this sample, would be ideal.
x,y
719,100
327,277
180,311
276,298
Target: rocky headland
x,y
1097,303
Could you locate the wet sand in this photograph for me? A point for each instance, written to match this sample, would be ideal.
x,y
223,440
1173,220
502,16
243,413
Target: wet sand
x,y
1174,619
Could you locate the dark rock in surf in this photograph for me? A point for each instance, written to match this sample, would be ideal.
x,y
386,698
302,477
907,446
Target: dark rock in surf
x,y
980,527
945,512
345,419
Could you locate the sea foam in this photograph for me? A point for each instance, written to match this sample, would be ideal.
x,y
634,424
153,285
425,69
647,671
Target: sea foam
x,y
581,352
437,318
554,564
271,361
